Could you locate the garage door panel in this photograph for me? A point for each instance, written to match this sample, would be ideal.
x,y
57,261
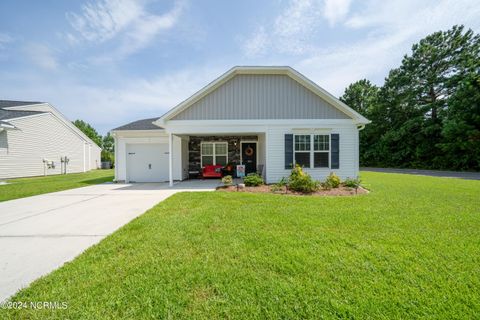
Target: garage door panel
x,y
147,162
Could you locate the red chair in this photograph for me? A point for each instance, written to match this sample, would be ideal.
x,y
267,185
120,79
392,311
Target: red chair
x,y
212,171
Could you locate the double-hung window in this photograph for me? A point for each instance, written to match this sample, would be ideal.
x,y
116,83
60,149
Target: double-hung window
x,y
214,153
321,151
312,150
302,150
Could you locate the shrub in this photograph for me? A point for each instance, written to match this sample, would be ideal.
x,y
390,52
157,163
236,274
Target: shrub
x,y
352,183
276,187
332,181
227,180
301,181
253,180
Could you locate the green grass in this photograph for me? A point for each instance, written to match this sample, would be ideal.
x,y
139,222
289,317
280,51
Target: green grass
x,y
409,249
26,187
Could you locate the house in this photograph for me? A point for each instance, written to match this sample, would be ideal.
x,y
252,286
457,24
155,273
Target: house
x,y
35,138
267,118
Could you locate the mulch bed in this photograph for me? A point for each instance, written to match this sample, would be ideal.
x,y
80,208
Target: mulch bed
x,y
340,191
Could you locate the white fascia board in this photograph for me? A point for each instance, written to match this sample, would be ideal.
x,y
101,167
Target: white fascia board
x,y
139,133
258,122
248,126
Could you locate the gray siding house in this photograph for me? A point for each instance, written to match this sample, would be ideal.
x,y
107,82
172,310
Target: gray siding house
x,y
266,118
34,137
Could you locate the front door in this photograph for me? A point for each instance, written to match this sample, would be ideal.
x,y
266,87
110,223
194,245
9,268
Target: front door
x,y
249,156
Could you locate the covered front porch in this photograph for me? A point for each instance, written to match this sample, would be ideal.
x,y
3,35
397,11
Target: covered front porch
x,y
202,153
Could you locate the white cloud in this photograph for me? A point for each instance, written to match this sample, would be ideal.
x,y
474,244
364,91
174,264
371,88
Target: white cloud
x,y
293,29
129,21
386,31
41,55
257,45
336,10
4,39
110,105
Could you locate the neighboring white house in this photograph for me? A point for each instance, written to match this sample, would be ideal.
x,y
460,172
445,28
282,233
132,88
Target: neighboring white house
x,y
267,118
34,137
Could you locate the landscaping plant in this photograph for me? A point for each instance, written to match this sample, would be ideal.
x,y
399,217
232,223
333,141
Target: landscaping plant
x,y
332,181
301,181
253,180
227,180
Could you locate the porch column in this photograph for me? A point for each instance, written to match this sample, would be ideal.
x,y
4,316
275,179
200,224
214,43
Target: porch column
x,y
170,159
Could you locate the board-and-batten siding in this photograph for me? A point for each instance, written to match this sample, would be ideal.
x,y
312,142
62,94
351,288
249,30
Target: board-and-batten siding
x,y
261,97
348,154
40,137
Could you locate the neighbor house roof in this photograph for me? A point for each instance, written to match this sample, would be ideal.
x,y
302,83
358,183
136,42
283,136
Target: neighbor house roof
x,y
144,124
282,70
18,109
6,114
12,103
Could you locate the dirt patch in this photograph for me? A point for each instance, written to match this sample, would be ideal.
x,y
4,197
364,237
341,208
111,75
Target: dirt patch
x,y
340,191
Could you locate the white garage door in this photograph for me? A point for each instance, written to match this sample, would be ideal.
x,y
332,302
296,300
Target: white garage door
x,y
147,162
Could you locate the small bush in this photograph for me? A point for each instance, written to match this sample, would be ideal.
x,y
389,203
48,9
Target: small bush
x,y
301,181
227,180
332,181
276,187
253,180
352,183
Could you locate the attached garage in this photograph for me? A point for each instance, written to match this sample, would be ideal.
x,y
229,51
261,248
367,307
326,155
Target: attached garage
x,y
147,162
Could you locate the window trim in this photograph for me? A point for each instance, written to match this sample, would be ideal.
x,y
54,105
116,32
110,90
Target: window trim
x,y
213,153
312,150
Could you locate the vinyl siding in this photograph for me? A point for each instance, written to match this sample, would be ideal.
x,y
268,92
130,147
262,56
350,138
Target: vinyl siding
x,y
261,97
40,137
348,153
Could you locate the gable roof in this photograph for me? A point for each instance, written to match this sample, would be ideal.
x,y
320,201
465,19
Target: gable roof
x,y
285,70
144,124
42,108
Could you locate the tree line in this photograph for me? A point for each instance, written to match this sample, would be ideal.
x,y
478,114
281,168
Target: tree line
x,y
427,113
105,142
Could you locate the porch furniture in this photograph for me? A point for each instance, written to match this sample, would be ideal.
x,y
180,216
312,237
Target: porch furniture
x,y
228,170
193,174
212,171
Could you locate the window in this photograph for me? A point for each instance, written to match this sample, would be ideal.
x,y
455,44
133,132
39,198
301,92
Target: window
x,y
321,149
312,148
302,150
213,153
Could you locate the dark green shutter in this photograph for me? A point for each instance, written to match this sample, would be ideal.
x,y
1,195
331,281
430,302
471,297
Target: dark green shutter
x,y
288,151
335,147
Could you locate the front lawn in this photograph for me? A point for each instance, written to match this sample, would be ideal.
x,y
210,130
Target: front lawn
x,y
409,249
26,187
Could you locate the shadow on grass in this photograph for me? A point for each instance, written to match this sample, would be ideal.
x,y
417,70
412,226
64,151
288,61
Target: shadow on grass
x,y
98,180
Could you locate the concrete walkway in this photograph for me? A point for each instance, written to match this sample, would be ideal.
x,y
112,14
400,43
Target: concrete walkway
x,y
432,173
39,234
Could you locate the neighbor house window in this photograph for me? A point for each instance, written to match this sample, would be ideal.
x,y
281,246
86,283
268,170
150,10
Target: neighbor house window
x,y
312,149
214,153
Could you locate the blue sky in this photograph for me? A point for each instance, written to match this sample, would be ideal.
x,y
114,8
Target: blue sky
x,y
114,61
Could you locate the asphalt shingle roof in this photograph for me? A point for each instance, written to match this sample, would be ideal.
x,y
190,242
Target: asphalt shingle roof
x,y
10,114
144,124
12,103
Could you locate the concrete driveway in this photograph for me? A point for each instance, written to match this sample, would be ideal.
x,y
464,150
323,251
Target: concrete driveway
x,y
39,234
